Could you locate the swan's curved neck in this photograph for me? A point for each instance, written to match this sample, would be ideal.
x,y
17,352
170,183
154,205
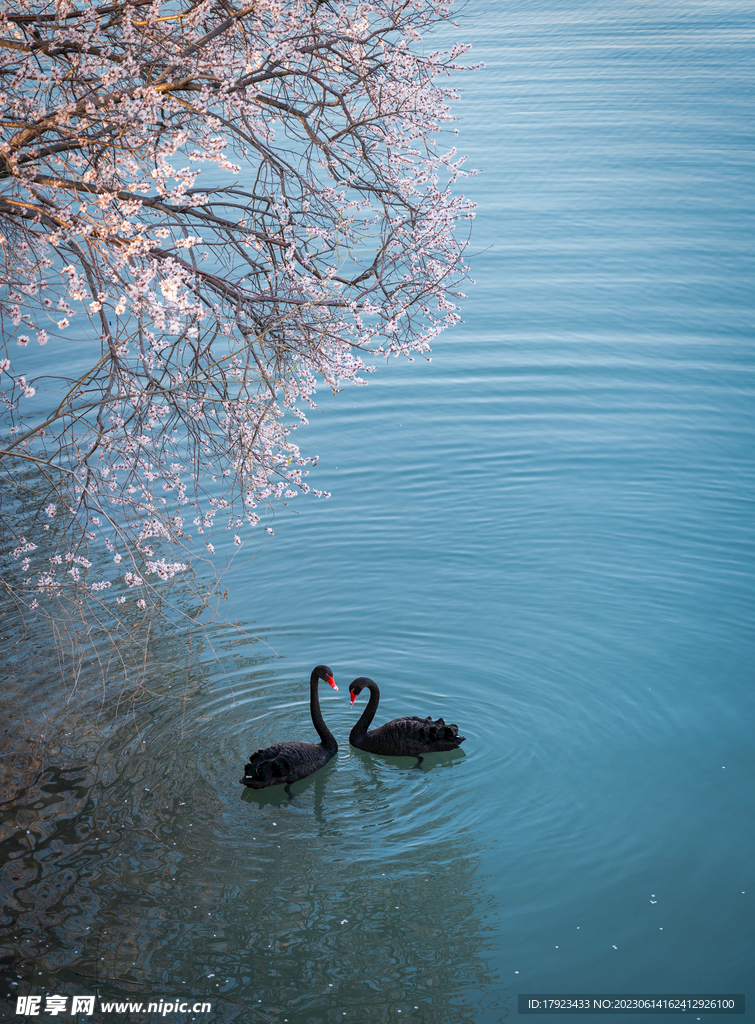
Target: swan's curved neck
x,y
361,727
327,737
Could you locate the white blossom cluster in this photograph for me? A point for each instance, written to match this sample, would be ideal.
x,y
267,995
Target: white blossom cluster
x,y
228,204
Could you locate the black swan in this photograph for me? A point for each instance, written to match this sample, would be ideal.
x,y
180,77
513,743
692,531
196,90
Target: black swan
x,y
290,761
407,737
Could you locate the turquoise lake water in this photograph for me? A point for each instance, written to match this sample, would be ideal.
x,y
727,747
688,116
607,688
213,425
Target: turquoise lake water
x,y
545,535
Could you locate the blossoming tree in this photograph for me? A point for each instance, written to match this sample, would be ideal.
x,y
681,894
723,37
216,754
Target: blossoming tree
x,y
223,205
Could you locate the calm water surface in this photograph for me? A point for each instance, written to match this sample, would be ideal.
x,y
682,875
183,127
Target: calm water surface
x,y
546,535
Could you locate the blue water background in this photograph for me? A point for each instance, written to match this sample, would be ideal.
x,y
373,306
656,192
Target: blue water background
x,y
545,534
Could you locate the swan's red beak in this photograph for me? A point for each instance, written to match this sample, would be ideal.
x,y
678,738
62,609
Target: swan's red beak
x,y
353,698
332,682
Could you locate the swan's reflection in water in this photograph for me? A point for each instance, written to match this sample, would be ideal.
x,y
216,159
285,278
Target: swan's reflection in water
x,y
360,916
438,759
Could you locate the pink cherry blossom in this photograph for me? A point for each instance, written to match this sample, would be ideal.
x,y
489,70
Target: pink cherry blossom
x,y
230,208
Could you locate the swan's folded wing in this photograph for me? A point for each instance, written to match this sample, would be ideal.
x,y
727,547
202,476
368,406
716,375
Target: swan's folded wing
x,y
413,735
438,732
285,762
270,763
275,770
260,756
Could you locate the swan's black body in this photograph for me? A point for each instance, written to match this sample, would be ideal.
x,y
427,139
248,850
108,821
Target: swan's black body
x,y
288,762
403,737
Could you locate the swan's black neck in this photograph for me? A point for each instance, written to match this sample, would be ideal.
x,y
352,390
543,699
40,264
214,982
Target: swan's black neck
x,y
360,729
327,737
